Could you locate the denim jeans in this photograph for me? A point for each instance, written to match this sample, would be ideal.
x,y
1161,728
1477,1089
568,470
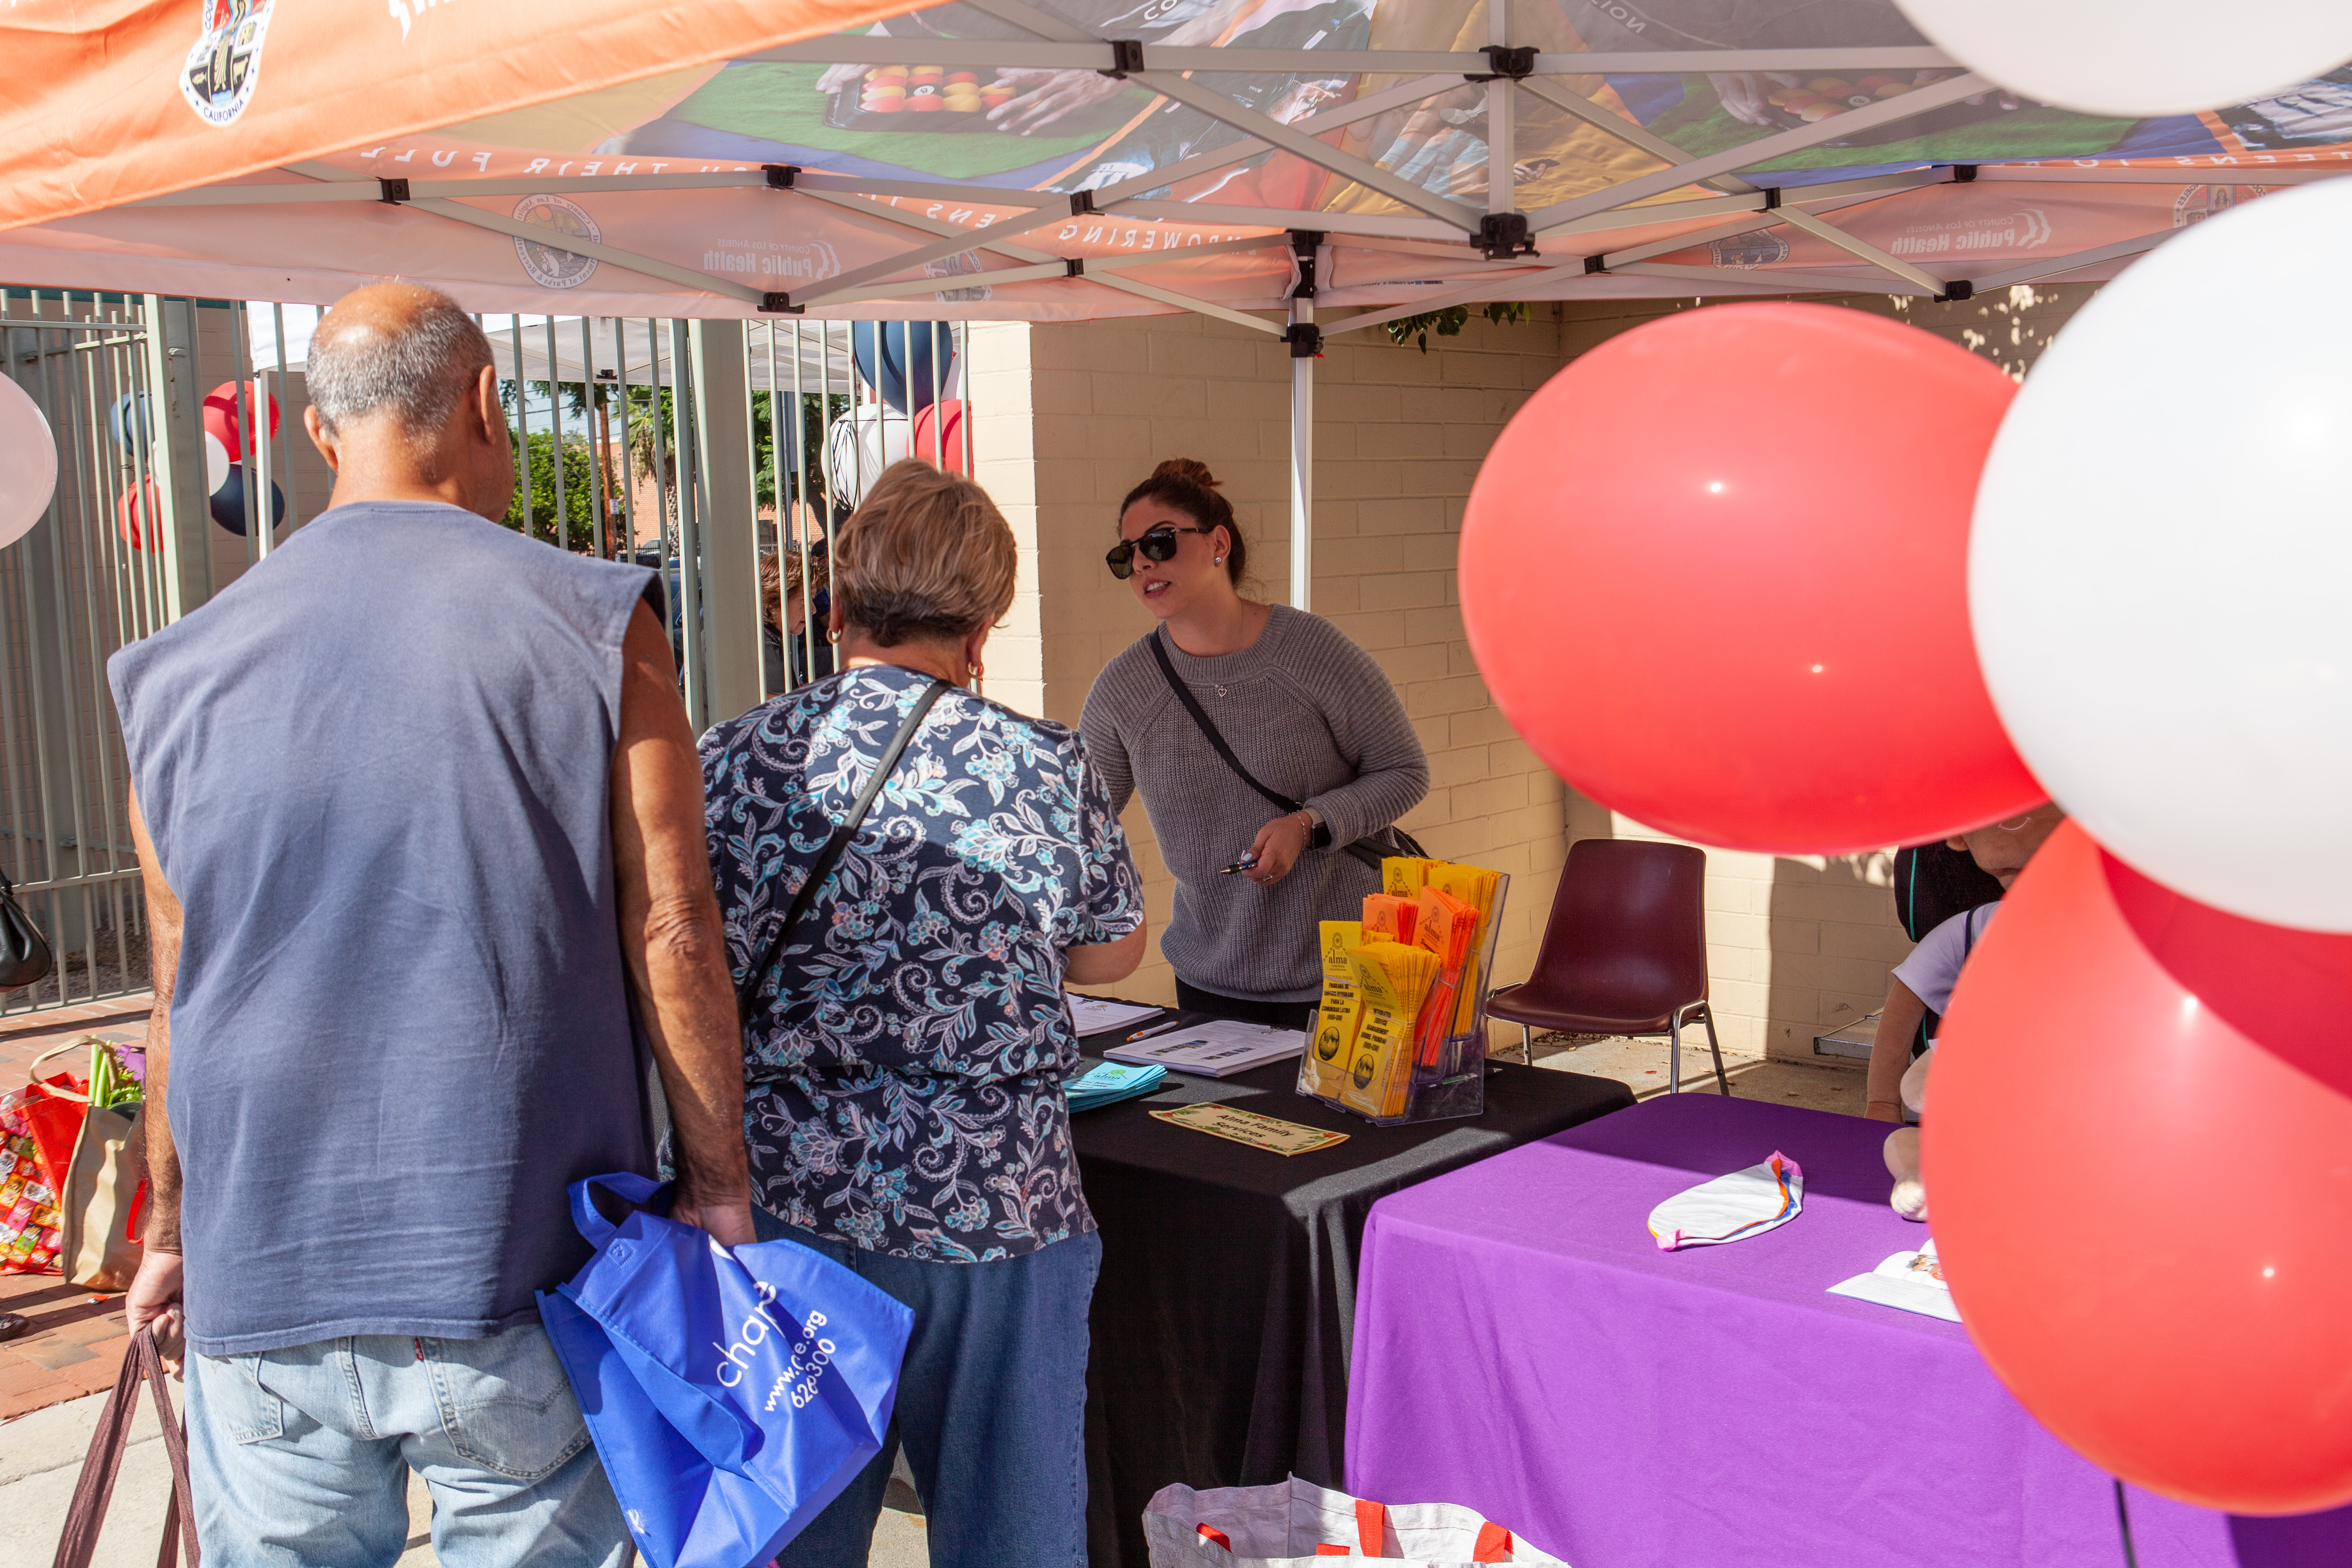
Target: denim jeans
x,y
299,1457
991,1409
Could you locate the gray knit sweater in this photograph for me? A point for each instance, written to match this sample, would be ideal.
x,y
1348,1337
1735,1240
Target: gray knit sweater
x,y
1308,713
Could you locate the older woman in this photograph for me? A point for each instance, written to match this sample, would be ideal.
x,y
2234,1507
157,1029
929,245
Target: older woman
x,y
1304,710
906,1043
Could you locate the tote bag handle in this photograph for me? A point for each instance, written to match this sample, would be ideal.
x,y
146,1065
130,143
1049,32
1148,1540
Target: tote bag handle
x,y
95,1489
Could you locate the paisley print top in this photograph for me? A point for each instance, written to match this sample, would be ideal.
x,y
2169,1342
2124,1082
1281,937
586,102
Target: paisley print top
x,y
915,1018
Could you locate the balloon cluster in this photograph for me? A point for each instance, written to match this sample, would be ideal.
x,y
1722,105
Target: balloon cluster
x,y
913,367
1796,578
140,509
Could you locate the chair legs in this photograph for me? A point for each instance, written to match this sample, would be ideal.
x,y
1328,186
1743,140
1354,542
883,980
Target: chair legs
x,y
1699,1010
1526,1045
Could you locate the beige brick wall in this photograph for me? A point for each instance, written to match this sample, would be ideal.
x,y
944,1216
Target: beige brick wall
x,y
1799,947
1068,417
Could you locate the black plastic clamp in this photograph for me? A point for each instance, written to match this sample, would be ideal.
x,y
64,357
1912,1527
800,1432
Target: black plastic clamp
x,y
1303,242
779,304
1502,236
1511,63
1126,58
1082,205
1595,263
1958,289
780,175
1964,174
1305,340
1073,267
392,191
1771,198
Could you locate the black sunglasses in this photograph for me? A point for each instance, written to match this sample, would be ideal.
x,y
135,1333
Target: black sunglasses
x,y
1157,544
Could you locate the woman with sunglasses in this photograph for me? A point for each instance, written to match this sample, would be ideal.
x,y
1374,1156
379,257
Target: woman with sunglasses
x,y
1305,712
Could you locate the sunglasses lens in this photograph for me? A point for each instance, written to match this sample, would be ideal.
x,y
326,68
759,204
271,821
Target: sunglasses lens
x,y
1158,546
1120,558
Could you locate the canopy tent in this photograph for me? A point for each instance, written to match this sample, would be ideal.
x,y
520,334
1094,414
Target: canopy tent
x,y
1258,160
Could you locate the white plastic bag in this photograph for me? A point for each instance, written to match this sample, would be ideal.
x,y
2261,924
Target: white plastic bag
x,y
1283,1526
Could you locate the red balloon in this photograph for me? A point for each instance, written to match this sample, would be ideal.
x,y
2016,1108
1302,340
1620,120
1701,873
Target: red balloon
x,y
938,436
140,522
2139,1158
1715,572
224,412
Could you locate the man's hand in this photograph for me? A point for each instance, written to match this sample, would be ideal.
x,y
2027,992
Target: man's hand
x,y
153,1299
1884,1110
729,1221
1050,96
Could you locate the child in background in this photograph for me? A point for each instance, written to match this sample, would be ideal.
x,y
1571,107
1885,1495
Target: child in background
x,y
1922,983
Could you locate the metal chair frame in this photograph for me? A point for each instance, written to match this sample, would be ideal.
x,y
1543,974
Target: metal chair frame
x,y
1682,1015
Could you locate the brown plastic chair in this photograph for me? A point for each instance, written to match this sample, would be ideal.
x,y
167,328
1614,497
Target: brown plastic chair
x,y
1625,953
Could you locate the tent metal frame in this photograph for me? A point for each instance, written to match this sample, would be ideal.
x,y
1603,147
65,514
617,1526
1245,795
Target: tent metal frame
x,y
1521,250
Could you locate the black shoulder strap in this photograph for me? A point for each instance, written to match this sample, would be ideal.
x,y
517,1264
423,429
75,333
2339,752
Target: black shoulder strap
x,y
835,846
1192,706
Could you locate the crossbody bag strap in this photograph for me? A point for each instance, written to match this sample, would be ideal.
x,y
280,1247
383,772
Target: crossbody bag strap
x,y
835,846
1192,706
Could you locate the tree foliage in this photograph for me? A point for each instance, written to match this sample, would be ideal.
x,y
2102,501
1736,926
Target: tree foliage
x,y
1449,322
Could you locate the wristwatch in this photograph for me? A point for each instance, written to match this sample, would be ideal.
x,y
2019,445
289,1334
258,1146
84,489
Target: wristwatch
x,y
1319,832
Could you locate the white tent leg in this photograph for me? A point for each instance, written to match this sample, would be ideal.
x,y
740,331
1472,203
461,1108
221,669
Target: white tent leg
x,y
1302,468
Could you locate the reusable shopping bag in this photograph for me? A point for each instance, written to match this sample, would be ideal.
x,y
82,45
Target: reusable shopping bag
x,y
730,1392
105,1200
28,1205
1299,1523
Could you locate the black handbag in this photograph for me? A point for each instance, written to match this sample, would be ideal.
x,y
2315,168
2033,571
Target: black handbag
x,y
1372,848
24,955
829,856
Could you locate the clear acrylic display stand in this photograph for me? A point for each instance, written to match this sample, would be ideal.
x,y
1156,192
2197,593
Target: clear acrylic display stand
x,y
1454,1085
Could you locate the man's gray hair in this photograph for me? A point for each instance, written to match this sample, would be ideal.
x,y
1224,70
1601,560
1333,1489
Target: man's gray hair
x,y
418,374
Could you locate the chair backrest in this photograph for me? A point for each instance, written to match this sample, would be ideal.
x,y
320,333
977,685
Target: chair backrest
x,y
1627,931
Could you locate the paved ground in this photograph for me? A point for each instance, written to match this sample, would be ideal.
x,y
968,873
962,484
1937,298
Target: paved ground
x,y
1642,1064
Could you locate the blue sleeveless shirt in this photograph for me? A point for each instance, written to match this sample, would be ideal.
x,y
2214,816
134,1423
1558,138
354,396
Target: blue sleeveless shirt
x,y
376,769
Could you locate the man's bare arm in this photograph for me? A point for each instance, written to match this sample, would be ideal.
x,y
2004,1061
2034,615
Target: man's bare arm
x,y
1890,1051
671,937
155,1294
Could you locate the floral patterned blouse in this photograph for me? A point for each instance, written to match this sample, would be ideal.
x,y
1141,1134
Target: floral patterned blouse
x,y
922,1034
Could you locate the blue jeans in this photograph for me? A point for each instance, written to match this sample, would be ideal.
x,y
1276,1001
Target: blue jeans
x,y
299,1457
992,1407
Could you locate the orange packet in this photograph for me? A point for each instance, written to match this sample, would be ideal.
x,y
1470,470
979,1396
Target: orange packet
x,y
1387,918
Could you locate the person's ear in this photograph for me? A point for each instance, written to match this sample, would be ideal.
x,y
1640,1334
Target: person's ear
x,y
490,411
1220,545
834,621
1957,842
321,439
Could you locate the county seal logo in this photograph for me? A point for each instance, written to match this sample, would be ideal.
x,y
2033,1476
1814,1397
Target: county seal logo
x,y
225,65
549,266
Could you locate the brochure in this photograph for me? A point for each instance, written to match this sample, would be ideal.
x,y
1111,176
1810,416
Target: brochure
x,y
1913,1282
1267,1133
1218,1048
1093,1015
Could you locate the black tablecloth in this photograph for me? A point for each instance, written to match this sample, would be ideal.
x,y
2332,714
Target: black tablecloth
x,y
1221,1319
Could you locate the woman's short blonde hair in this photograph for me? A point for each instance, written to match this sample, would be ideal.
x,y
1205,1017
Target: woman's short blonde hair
x,y
928,557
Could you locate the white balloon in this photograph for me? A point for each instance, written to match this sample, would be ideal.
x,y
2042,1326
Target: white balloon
x,y
2139,58
2161,558
28,462
861,444
215,464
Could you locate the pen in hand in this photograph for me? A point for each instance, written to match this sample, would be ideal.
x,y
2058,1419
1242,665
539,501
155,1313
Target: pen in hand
x,y
1243,864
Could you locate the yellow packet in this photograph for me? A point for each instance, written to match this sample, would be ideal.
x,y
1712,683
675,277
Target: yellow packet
x,y
1380,1072
1403,876
1325,1066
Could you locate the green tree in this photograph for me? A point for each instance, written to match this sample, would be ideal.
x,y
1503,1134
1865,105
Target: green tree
x,y
1449,322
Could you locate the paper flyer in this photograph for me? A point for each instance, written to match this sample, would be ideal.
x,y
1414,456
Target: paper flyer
x,y
1275,1136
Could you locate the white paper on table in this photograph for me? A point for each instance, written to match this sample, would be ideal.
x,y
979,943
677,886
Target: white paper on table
x,y
1092,1015
1913,1282
1217,1048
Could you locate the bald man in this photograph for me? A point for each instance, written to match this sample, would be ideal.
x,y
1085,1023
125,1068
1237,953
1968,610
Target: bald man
x,y
420,821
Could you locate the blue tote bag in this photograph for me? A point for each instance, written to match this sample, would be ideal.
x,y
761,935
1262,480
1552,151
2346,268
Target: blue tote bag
x,y
731,1393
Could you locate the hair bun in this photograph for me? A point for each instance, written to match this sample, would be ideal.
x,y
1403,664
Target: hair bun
x,y
1190,468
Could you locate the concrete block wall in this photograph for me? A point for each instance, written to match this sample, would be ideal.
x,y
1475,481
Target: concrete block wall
x,y
1799,947
1067,418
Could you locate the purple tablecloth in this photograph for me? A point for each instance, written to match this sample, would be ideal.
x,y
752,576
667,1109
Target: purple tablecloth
x,y
1524,1348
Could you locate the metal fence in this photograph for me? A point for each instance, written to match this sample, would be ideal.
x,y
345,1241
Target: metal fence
x,y
705,450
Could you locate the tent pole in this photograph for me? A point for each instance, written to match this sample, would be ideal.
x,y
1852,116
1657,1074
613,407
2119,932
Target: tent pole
x,y
1302,463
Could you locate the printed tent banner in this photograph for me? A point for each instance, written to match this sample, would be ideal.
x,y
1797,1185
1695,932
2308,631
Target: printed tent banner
x,y
1068,159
